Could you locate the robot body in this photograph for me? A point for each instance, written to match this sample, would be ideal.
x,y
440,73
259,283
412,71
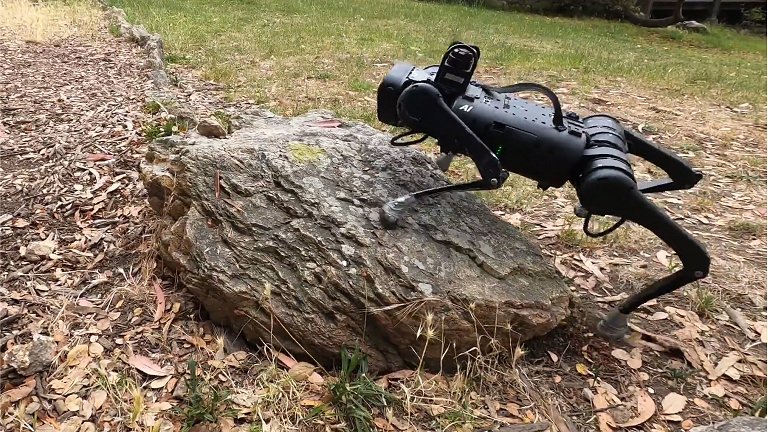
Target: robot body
x,y
503,133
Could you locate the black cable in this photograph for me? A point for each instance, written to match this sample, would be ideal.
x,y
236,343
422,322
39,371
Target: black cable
x,y
602,233
394,141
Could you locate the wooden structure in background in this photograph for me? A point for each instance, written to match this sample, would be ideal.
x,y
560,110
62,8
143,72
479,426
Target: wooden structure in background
x,y
714,7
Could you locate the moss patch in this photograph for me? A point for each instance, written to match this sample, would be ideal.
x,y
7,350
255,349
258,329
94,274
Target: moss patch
x,y
305,153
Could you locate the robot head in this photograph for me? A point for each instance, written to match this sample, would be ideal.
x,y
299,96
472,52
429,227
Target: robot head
x,y
451,77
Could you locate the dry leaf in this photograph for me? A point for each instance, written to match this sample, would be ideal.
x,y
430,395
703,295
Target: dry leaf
x,y
724,364
310,402
226,424
96,157
103,324
77,354
582,369
557,379
86,410
620,354
98,398
401,374
285,360
673,403
328,123
691,353
400,424
160,300
95,349
636,360
716,389
733,373
160,382
73,402
734,404
739,319
513,409
147,366
316,378
662,256
71,383
609,299
159,406
301,371
16,394
382,424
435,410
686,424
646,407
20,223
604,419
553,356
673,417
701,403
658,316
593,268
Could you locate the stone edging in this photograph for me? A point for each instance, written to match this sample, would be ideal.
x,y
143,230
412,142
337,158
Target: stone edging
x,y
155,63
152,44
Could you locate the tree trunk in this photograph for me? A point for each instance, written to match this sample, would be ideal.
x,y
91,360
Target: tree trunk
x,y
276,231
715,11
644,21
648,8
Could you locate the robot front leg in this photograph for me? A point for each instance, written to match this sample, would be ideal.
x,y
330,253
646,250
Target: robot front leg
x,y
610,192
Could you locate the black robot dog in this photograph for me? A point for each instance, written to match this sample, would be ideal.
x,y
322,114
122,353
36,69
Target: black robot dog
x,y
502,133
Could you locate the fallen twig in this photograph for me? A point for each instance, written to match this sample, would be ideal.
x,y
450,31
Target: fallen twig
x,y
41,391
739,319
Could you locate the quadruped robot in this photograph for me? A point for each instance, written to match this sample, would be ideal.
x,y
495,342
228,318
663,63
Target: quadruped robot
x,y
503,133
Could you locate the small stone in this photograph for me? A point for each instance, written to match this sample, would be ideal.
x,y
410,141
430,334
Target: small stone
x,y
32,408
41,248
60,406
33,357
211,128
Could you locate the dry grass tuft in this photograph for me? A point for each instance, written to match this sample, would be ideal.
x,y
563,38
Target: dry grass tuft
x,y
44,21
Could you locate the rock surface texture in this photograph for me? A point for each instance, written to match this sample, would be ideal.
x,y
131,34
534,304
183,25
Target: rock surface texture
x,y
736,424
276,231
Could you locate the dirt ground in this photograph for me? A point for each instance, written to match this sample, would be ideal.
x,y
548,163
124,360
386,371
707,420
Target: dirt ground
x,y
77,265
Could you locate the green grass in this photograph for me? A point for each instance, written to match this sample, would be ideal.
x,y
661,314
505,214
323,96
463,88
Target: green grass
x,y
704,302
745,228
355,394
331,54
202,403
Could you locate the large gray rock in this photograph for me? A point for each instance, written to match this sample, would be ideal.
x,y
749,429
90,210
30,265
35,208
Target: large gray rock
x,y
737,424
276,231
